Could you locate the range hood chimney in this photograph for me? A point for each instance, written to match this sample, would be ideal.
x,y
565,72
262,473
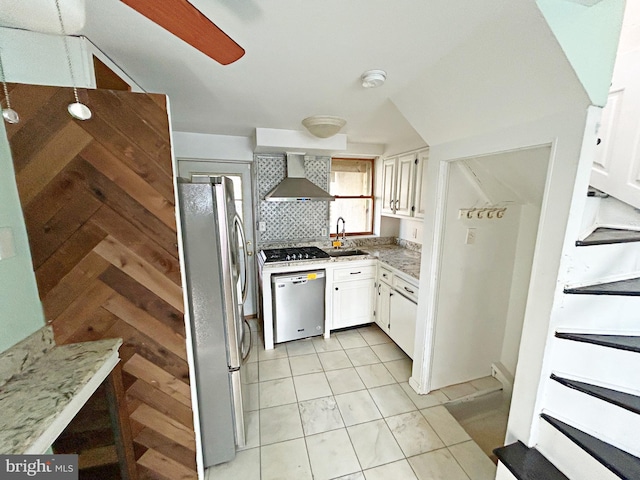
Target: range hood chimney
x,y
296,187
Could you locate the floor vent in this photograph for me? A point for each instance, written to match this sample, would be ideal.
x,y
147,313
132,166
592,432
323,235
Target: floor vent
x,y
527,463
605,236
629,287
615,397
623,464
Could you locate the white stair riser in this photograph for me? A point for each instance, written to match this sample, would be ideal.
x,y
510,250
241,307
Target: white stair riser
x,y
601,263
503,473
570,459
590,214
605,313
609,423
600,365
613,212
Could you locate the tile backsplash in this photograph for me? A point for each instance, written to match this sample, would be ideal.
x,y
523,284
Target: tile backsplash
x,y
291,221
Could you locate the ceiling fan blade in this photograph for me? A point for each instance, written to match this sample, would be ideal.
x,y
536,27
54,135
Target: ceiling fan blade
x,y
189,24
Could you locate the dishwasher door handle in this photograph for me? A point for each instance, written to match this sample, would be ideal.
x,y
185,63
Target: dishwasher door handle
x,y
298,282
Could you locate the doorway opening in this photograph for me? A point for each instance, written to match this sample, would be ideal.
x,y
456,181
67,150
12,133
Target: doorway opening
x,y
240,174
490,224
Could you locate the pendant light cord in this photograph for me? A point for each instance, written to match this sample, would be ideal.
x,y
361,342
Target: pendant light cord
x,y
67,50
4,82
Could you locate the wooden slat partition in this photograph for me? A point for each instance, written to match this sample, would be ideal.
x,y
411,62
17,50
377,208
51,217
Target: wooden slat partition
x,y
98,203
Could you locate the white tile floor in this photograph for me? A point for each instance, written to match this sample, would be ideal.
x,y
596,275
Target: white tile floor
x,y
343,409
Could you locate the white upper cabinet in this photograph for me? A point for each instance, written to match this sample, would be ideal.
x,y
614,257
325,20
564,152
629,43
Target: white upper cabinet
x,y
388,185
616,167
402,185
420,194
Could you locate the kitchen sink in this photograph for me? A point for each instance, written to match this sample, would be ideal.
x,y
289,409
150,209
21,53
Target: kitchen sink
x,y
346,253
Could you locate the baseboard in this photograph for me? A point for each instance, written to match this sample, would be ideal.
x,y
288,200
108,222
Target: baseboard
x,y
500,373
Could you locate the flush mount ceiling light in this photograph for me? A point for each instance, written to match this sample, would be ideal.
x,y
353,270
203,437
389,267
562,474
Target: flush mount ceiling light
x,y
323,126
373,78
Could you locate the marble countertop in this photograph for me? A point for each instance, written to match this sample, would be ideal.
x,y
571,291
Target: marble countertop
x,y
45,385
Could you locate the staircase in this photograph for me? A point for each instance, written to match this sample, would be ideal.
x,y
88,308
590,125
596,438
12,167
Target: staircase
x,y
589,422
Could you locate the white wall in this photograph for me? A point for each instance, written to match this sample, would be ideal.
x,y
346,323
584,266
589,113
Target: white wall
x,y
20,308
41,59
630,34
510,71
212,147
474,287
411,229
525,248
589,37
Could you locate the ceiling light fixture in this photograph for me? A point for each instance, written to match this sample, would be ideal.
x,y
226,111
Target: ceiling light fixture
x,y
373,78
323,126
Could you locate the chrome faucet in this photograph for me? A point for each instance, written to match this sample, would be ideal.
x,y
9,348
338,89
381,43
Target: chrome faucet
x,y
344,225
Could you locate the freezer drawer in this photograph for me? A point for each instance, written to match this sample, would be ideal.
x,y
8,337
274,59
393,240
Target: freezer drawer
x,y
298,305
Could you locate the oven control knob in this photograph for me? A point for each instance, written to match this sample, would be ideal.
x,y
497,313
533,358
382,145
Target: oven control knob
x,y
288,257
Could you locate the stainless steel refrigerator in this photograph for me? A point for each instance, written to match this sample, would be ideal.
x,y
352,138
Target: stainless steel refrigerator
x,y
216,262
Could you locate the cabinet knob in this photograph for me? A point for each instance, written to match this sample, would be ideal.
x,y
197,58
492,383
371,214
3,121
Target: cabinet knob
x,y
336,288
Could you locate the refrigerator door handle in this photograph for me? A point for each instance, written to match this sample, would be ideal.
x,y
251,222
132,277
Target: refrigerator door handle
x,y
248,352
238,409
238,224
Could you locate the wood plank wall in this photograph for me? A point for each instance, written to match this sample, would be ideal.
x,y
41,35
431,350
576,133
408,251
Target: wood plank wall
x,y
98,203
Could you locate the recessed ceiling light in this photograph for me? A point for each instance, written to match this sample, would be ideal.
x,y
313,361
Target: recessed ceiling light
x,y
373,78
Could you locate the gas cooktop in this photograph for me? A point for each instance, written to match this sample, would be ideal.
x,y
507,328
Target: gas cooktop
x,y
291,254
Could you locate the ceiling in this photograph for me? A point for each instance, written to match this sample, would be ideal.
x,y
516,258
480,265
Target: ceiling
x,y
302,58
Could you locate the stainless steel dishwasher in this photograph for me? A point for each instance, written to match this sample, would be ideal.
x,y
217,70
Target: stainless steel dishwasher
x,y
298,305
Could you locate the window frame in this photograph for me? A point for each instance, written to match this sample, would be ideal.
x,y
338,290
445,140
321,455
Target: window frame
x,y
359,197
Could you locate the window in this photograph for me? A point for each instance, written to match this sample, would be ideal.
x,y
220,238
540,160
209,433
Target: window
x,y
352,185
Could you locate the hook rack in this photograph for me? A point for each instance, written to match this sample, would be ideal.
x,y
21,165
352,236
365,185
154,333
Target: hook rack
x,y
481,213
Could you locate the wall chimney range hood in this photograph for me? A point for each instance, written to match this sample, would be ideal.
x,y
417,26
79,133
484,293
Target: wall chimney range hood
x,y
296,187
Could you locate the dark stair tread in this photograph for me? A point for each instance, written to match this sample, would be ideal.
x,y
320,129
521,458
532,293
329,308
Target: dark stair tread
x,y
623,464
629,287
621,342
604,236
527,463
594,192
615,397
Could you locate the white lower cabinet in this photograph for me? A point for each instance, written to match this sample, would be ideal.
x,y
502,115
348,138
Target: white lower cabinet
x,y
383,310
396,309
402,323
352,296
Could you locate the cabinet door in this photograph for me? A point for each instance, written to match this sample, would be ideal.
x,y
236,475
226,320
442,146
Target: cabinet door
x,y
388,185
420,185
382,308
352,303
616,168
403,322
405,183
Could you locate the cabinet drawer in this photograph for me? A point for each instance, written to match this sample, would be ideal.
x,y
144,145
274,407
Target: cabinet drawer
x,y
407,289
385,275
354,273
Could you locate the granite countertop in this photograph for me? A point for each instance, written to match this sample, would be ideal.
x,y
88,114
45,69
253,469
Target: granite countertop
x,y
406,259
400,258
43,386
